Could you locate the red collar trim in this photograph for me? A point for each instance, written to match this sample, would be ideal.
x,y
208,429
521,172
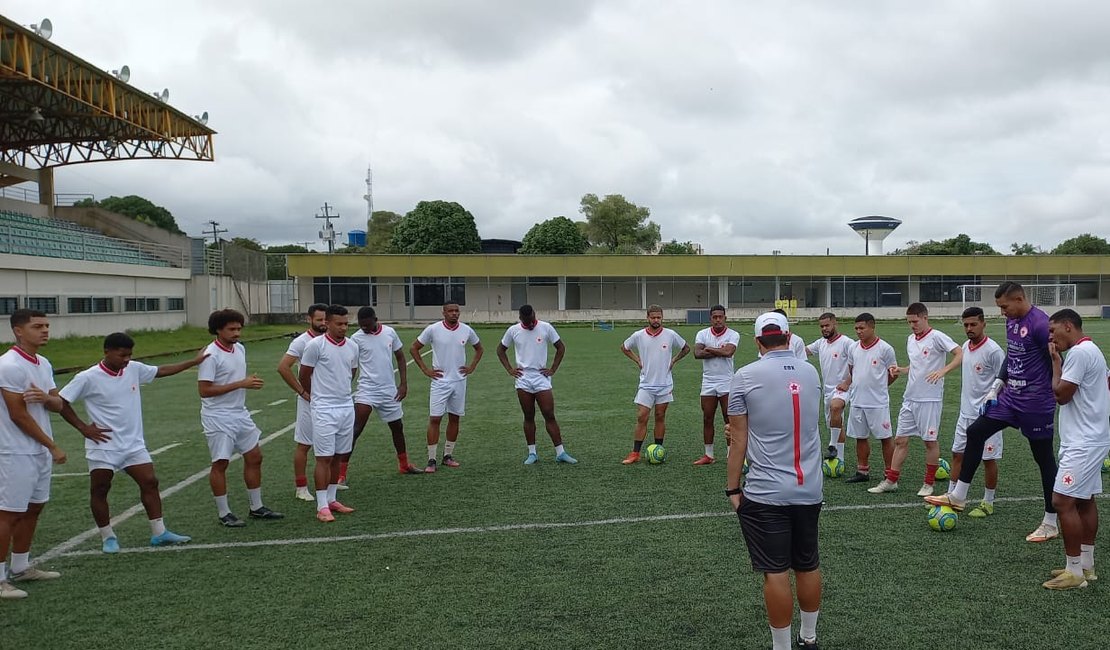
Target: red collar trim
x,y
975,346
718,334
873,344
311,333
835,338
923,334
534,324
340,342
379,330
110,371
449,328
649,333
1085,338
22,353
225,349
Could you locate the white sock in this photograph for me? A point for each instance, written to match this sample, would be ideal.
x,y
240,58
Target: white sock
x,y
21,562
106,532
531,449
809,625
709,450
1075,564
780,638
448,448
3,571
157,527
221,505
1050,519
1087,555
959,491
951,485
840,450
333,488
988,495
834,436
431,452
559,450
255,497
321,499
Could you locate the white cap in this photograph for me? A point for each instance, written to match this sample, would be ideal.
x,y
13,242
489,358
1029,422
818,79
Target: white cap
x,y
771,318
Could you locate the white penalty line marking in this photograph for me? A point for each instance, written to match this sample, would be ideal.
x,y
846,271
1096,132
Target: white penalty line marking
x,y
65,547
474,530
277,402
153,453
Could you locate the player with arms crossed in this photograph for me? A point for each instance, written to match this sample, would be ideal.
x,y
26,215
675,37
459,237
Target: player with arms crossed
x,y
1021,397
223,383
715,346
651,349
448,338
983,360
773,420
378,347
27,448
114,434
1079,384
833,350
529,339
869,379
302,431
922,400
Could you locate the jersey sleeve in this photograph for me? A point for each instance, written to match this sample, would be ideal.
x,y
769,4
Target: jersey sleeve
x,y
677,340
997,360
552,334
146,373
472,337
425,337
734,338
1075,367
737,402
944,343
74,391
206,371
507,339
812,347
701,338
630,342
296,347
396,344
889,357
354,357
311,355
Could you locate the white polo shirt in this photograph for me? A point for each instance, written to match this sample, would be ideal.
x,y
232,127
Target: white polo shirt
x,y
870,369
449,347
1085,420
834,356
376,352
928,353
530,344
981,365
113,401
717,369
332,362
655,350
223,366
18,371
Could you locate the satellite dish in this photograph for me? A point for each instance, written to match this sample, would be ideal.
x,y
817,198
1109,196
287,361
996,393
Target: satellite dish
x,y
45,29
202,118
123,74
163,96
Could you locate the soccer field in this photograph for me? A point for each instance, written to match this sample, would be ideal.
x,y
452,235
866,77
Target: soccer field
x,y
499,555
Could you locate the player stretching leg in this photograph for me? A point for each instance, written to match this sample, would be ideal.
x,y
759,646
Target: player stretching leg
x,y
869,380
833,350
655,346
302,431
715,346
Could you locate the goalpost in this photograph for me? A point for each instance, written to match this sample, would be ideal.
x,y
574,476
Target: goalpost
x,y
1045,296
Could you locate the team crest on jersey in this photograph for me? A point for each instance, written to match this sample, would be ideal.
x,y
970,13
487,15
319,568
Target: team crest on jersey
x,y
539,339
664,346
924,353
836,355
1023,332
874,362
990,449
978,367
1067,478
886,425
795,388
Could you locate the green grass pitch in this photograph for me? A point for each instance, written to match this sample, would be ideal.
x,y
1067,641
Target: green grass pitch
x,y
498,555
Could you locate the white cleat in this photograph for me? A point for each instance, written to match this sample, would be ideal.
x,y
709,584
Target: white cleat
x,y
883,486
925,491
304,495
1043,533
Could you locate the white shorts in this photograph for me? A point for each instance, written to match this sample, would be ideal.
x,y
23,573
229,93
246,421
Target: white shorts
x,y
533,382
1080,471
333,430
384,404
864,422
302,432
447,397
24,479
921,419
991,451
116,460
715,387
227,433
649,397
827,399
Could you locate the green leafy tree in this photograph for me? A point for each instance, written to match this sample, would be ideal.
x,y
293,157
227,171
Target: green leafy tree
x,y
275,260
436,227
556,236
1026,249
379,231
675,247
959,245
615,223
1085,244
137,208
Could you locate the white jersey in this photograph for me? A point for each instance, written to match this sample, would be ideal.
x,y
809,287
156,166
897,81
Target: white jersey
x,y
530,345
296,346
448,347
1085,420
717,369
18,371
113,401
981,365
834,357
870,369
797,348
928,353
376,352
655,352
224,366
332,362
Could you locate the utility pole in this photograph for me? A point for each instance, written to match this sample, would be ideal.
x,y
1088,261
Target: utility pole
x,y
215,232
328,233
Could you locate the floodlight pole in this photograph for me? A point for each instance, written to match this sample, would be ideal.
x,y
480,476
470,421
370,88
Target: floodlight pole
x,y
327,217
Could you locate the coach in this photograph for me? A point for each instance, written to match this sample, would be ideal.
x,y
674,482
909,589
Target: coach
x,y
772,413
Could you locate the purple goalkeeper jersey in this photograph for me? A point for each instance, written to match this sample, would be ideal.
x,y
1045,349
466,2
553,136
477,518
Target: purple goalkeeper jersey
x,y
1028,365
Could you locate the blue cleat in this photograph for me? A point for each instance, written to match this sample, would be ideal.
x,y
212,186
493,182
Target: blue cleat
x,y
168,539
110,545
532,459
566,458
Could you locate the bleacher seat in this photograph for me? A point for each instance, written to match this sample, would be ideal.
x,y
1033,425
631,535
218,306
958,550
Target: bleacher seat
x,y
23,234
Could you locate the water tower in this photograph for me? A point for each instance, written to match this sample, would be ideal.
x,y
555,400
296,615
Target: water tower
x,y
874,230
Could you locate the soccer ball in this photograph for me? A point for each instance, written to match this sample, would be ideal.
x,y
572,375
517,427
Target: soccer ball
x,y
655,453
745,467
944,470
833,468
1106,464
942,518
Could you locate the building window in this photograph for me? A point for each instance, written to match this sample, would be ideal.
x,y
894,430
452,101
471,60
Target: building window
x,y
175,304
45,305
435,292
103,305
8,305
341,290
80,305
142,304
154,304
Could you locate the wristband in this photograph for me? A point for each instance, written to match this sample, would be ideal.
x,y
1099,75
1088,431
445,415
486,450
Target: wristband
x,y
733,491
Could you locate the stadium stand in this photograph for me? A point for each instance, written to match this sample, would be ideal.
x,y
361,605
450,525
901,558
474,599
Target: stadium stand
x,y
23,234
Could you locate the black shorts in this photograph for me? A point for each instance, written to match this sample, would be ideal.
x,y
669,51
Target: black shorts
x,y
780,538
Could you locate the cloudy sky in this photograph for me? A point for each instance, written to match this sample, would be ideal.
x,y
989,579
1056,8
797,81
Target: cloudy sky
x,y
745,126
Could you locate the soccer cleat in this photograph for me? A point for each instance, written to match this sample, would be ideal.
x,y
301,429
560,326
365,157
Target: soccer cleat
x,y
231,521
1043,533
632,457
110,545
167,539
807,644
884,485
860,477
532,459
324,515
410,469
706,459
32,573
1088,574
947,500
566,458
984,509
304,495
431,468
926,490
342,484
265,513
1064,581
335,506
10,591
450,461
830,454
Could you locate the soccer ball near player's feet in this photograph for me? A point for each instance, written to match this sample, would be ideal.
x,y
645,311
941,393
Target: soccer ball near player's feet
x,y
833,468
942,518
655,453
1106,464
944,470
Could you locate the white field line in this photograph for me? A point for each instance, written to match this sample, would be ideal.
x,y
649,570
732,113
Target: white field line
x,y
277,402
166,448
81,538
497,528
254,412
153,453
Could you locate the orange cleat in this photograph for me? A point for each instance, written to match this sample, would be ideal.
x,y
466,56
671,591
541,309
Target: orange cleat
x,y
324,515
632,457
705,460
335,506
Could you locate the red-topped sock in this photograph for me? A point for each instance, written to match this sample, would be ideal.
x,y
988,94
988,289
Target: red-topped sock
x,y
301,481
863,469
930,473
342,472
892,475
403,461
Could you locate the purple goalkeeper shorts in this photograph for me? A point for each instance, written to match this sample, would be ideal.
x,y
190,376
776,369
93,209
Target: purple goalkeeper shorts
x,y
1035,426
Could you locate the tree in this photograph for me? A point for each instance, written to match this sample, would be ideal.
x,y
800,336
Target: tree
x,y
137,208
379,231
615,222
246,242
275,260
556,236
959,245
436,227
1085,244
1026,249
675,247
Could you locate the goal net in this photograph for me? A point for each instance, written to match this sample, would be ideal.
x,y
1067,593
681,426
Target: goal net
x,y
1045,296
